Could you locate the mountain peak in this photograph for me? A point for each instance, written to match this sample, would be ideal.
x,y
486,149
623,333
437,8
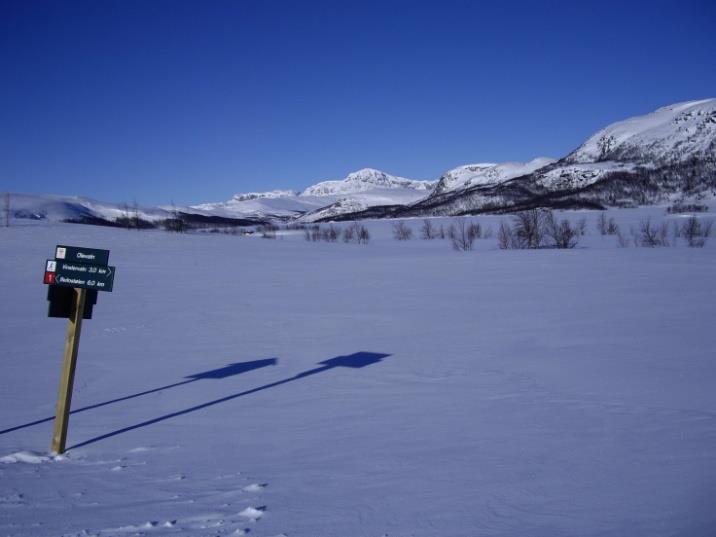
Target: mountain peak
x,y
363,180
675,132
487,173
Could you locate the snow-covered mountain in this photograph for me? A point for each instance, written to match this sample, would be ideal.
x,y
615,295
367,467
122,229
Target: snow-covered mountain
x,y
365,180
486,174
669,136
676,132
51,208
273,194
669,154
358,191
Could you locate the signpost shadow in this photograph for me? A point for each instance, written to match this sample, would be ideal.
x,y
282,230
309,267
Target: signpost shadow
x,y
220,373
354,361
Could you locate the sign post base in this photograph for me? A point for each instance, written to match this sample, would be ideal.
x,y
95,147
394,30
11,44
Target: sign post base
x,y
67,379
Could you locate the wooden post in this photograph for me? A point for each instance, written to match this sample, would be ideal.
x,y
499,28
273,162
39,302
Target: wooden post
x,y
67,379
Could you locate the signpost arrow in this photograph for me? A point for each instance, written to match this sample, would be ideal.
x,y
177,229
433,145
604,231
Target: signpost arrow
x,y
79,275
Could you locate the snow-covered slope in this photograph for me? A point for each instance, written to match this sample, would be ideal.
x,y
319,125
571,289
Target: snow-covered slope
x,y
259,205
358,191
273,194
486,174
52,208
674,132
365,180
670,135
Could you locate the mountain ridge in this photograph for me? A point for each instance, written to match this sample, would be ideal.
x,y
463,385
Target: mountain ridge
x,y
665,155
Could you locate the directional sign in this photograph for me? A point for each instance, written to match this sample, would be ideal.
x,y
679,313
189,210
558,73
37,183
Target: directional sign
x,y
79,275
90,256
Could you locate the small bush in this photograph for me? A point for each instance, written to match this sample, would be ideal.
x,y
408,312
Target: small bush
x,y
428,231
695,232
463,235
268,231
562,233
402,232
356,233
650,235
505,239
529,228
330,234
602,223
680,208
312,233
176,225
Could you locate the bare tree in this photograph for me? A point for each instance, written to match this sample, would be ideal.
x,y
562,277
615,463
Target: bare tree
x,y
695,232
529,228
363,235
402,232
175,222
649,235
427,230
463,235
268,231
136,220
562,233
505,240
602,223
605,144
356,233
330,234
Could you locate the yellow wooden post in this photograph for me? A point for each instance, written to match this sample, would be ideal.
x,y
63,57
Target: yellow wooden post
x,y
64,398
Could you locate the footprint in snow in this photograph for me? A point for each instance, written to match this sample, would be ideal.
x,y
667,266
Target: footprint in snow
x,y
253,513
255,487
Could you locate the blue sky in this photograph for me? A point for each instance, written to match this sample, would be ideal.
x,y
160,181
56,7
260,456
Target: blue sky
x,y
195,101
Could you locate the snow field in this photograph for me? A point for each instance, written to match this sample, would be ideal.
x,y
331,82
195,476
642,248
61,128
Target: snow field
x,y
495,393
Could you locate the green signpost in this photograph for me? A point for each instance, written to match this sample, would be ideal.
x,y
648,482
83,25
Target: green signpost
x,y
79,271
79,275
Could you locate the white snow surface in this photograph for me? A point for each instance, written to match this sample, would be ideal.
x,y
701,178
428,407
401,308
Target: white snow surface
x,y
676,131
364,180
234,385
579,175
487,174
359,190
51,208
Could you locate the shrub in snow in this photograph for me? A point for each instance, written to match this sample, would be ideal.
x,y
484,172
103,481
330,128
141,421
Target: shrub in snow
x,y
428,231
268,231
529,228
356,233
650,235
402,232
695,232
463,235
330,234
562,233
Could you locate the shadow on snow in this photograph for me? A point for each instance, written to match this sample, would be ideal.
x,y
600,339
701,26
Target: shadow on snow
x,y
221,373
354,361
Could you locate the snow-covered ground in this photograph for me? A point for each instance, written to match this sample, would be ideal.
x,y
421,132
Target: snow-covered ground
x,y
279,387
